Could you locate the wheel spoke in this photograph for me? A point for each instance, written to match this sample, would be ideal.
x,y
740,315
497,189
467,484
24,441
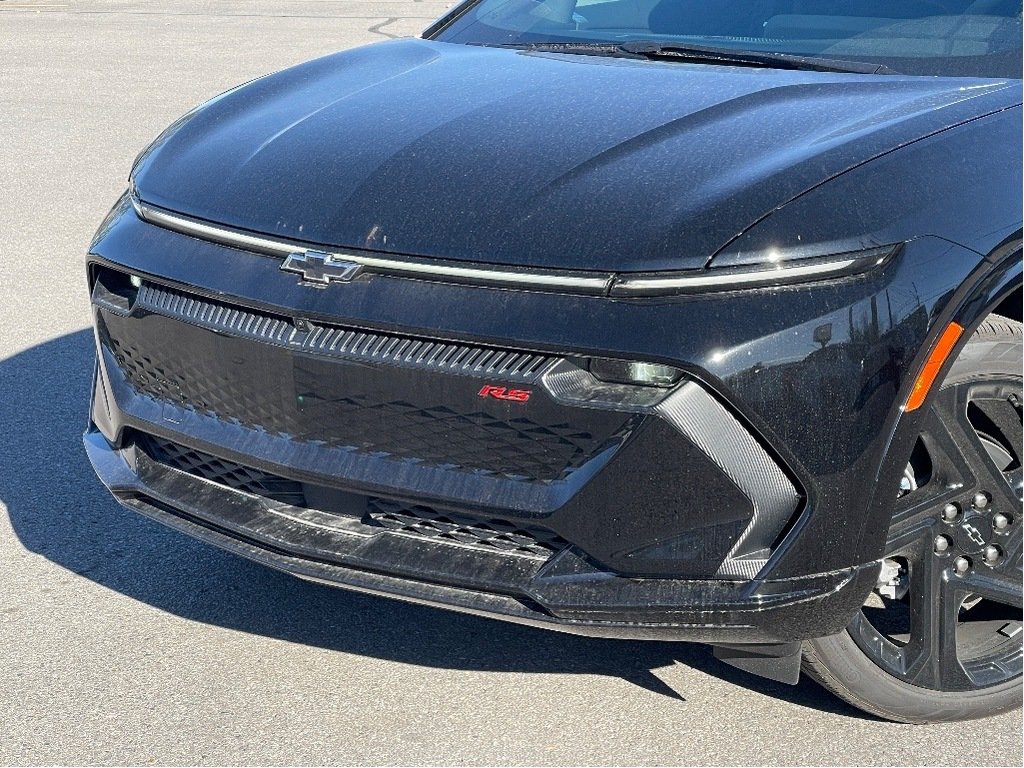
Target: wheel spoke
x,y
931,655
976,467
999,586
1016,480
1006,418
952,457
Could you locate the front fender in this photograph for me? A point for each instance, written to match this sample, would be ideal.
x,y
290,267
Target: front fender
x,y
961,185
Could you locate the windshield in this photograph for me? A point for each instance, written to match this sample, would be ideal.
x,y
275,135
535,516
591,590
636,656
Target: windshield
x,y
967,38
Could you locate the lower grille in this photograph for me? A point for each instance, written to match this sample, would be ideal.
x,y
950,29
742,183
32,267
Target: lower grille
x,y
222,471
492,535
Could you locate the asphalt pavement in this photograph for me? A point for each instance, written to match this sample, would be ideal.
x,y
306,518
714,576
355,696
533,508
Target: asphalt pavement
x,y
122,642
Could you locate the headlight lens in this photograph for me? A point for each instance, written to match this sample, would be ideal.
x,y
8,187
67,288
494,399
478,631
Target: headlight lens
x,y
636,373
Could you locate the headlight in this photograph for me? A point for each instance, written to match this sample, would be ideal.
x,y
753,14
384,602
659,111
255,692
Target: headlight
x,y
778,270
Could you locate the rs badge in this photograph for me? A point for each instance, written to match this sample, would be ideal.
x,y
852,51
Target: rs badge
x,y
503,393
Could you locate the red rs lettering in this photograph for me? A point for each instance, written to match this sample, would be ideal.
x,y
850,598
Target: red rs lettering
x,y
503,393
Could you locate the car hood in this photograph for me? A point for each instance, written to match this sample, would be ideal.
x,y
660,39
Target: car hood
x,y
533,159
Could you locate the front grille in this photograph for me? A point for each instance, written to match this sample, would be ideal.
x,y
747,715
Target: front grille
x,y
222,471
311,387
493,535
516,448
335,341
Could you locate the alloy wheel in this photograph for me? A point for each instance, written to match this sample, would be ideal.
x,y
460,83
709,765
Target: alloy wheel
x,y
948,617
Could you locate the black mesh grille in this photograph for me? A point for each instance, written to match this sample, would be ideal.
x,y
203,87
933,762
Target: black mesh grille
x,y
517,448
197,383
493,535
222,471
394,397
512,447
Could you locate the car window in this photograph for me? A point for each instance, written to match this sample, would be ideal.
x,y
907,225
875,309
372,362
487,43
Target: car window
x,y
980,38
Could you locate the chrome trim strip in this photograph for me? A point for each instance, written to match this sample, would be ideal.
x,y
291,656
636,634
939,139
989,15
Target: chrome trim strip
x,y
195,228
489,275
641,286
598,284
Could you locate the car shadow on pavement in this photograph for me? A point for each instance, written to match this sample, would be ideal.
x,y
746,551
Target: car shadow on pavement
x,y
59,510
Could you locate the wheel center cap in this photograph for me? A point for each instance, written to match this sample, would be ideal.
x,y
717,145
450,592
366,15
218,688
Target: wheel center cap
x,y
971,534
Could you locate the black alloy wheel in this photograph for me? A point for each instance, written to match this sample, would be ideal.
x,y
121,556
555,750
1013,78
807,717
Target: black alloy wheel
x,y
941,636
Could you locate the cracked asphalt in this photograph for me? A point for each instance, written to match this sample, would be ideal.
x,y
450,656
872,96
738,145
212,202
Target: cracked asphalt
x,y
123,642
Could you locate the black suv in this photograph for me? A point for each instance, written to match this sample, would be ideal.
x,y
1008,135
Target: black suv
x,y
678,319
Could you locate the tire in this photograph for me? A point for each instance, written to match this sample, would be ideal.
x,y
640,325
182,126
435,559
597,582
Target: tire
x,y
881,672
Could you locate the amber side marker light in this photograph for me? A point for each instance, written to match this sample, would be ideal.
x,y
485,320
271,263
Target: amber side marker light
x,y
931,369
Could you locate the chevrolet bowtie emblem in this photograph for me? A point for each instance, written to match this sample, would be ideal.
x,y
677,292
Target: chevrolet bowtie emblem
x,y
319,269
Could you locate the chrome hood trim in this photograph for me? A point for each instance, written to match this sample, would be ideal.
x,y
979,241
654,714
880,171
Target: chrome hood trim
x,y
626,285
586,283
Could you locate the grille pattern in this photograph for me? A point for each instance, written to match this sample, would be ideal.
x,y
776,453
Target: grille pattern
x,y
516,448
493,535
306,394
343,342
171,373
223,472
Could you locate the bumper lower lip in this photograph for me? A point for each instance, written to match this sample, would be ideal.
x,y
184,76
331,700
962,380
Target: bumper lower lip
x,y
565,593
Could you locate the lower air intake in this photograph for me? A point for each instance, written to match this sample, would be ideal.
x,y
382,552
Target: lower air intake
x,y
222,471
494,535
401,517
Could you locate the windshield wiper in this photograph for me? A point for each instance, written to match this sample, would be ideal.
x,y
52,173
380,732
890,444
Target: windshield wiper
x,y
590,49
699,54
707,55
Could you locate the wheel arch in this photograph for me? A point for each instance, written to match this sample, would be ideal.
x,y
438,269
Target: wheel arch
x,y
998,290
995,287
1011,306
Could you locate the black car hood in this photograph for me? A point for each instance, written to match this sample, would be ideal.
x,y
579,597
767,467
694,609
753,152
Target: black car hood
x,y
547,160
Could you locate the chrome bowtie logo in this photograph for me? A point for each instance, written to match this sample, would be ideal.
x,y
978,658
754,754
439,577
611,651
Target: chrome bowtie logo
x,y
320,269
973,534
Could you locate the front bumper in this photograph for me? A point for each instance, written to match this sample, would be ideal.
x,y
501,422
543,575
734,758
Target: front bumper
x,y
563,592
732,510
366,460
